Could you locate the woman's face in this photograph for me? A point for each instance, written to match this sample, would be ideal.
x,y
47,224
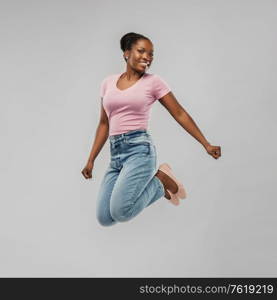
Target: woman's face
x,y
141,55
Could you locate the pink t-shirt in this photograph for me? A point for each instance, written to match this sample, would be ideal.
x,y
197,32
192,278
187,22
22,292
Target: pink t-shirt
x,y
129,109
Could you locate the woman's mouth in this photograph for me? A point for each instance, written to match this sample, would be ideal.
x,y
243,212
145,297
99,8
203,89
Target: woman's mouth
x,y
144,64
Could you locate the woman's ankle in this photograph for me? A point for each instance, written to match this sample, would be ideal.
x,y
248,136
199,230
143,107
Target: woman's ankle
x,y
160,176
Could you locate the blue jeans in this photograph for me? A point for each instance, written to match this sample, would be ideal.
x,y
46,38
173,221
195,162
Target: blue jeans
x,y
129,184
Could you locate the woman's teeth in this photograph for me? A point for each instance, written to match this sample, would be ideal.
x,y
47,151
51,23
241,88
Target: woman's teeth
x,y
144,64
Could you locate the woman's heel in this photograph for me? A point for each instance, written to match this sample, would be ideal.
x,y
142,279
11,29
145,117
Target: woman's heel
x,y
181,193
173,198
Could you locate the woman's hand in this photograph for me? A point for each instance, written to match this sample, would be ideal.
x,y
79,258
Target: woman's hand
x,y
88,170
214,151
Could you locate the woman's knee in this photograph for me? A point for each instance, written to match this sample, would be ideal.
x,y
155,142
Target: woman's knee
x,y
105,221
121,215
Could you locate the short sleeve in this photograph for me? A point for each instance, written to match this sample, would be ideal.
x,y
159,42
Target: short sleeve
x,y
160,87
103,87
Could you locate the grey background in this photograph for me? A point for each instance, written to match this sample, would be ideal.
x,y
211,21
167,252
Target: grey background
x,y
219,57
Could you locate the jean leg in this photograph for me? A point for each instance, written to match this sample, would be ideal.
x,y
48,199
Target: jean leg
x,y
104,195
136,188
160,187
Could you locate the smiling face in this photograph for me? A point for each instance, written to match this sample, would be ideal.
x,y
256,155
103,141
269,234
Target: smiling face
x,y
140,56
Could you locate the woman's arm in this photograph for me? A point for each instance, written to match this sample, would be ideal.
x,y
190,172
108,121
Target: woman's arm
x,y
101,135
182,117
185,120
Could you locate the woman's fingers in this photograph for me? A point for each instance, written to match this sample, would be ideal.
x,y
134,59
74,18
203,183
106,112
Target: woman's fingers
x,y
86,173
215,151
218,151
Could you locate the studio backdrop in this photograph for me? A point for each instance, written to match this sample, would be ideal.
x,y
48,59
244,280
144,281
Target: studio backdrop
x,y
219,58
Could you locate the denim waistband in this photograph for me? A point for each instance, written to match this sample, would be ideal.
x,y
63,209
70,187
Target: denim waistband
x,y
128,133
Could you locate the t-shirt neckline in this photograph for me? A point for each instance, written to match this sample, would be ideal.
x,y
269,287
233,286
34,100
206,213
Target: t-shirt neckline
x,y
118,76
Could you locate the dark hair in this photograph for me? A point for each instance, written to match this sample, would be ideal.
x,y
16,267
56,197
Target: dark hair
x,y
129,39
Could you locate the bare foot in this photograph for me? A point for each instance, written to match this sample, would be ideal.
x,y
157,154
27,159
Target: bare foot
x,y
168,183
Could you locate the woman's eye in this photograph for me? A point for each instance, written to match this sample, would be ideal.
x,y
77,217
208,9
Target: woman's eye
x,y
143,51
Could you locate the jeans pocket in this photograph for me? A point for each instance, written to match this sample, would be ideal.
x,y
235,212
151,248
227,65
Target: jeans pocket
x,y
141,144
140,148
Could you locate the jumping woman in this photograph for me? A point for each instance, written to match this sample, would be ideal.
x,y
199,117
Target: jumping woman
x,y
132,181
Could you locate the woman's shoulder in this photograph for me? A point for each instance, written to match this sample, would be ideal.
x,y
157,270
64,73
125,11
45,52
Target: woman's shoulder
x,y
153,76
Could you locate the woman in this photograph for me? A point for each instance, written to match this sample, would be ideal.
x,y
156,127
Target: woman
x,y
132,181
